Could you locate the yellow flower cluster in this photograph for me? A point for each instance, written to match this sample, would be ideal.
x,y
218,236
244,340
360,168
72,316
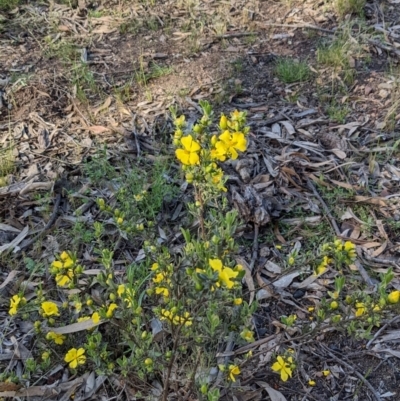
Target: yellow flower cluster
x,y
176,318
225,274
65,268
15,303
162,281
199,151
347,247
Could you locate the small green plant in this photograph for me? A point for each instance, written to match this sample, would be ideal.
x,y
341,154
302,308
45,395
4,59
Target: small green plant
x,y
6,5
355,7
337,112
289,70
98,168
333,54
154,71
237,65
167,316
7,163
132,27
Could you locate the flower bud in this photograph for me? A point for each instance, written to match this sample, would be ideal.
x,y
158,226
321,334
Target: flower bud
x,y
223,122
334,305
189,177
197,129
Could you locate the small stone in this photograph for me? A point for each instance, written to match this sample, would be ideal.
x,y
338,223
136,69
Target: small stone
x,y
383,93
299,293
367,90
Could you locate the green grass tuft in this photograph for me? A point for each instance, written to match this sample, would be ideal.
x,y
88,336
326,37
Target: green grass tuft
x,y
289,71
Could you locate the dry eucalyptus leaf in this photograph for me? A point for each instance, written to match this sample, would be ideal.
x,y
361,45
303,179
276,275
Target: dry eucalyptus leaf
x,y
285,281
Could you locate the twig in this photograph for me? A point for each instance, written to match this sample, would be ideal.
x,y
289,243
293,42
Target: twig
x,y
378,261
324,206
48,225
236,35
135,135
255,247
394,320
384,47
225,358
364,273
358,374
301,26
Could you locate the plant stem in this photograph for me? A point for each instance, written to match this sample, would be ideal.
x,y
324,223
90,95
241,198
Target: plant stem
x,y
171,363
201,213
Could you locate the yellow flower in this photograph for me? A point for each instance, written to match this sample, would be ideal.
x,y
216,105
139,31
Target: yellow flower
x,y
326,372
247,335
225,273
189,155
394,297
63,279
50,309
180,121
165,314
96,317
110,310
57,264
154,266
45,356
233,371
64,256
338,244
350,248
78,306
291,261
311,383
160,277
283,367
229,144
237,301
15,302
360,309
68,263
121,289
57,338
75,357
163,291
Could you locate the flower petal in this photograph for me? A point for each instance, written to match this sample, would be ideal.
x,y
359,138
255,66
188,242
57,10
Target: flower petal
x,y
216,264
193,158
182,155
